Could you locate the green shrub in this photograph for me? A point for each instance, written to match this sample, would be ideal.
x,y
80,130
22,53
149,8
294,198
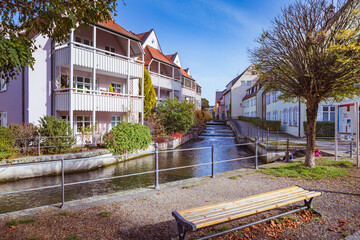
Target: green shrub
x,y
176,115
323,129
262,123
59,135
127,137
199,117
8,147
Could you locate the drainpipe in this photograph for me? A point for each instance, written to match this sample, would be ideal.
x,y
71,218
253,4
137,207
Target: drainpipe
x,y
23,94
52,85
299,118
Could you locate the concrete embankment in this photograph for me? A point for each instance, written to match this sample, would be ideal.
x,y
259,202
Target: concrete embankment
x,y
272,153
48,165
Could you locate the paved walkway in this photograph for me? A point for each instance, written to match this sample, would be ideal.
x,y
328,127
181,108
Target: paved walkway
x,y
146,214
250,130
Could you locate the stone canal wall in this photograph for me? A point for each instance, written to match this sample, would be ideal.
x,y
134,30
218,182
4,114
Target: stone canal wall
x,y
49,165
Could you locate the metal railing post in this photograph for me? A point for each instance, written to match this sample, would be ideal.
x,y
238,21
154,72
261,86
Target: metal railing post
x,y
262,135
39,139
248,131
267,137
258,134
62,183
351,149
212,162
256,153
287,150
156,166
82,142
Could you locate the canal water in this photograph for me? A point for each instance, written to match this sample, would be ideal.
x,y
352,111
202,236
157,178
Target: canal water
x,y
215,134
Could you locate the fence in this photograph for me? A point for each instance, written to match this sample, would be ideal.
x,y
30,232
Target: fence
x,y
156,170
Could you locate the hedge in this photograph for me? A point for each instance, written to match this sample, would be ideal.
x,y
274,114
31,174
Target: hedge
x,y
323,129
262,123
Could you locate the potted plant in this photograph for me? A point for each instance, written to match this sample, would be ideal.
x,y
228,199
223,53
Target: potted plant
x,y
111,90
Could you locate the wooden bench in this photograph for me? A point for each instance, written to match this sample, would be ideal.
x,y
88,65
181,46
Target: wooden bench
x,y
191,220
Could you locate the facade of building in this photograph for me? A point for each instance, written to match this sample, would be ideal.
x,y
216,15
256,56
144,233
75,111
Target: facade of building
x,y
72,80
166,72
238,90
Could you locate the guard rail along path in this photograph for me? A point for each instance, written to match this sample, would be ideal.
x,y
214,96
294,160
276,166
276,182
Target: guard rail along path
x,y
196,218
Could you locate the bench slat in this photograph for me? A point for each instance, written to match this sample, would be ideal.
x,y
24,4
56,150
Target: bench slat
x,y
241,202
284,190
212,221
242,207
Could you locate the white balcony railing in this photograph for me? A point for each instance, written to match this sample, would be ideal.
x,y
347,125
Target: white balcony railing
x,y
188,92
165,82
105,61
101,101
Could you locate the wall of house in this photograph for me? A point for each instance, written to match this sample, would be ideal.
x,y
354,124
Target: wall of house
x,y
39,82
152,41
238,92
11,101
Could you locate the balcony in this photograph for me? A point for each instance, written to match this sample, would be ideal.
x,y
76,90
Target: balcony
x,y
164,82
102,101
186,91
83,56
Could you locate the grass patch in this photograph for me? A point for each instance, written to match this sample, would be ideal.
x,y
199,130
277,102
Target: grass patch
x,y
64,213
12,223
223,228
333,163
283,143
191,186
239,176
345,234
27,220
105,214
73,237
326,169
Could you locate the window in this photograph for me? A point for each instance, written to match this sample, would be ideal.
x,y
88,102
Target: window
x,y
82,40
275,115
83,83
285,115
248,83
82,122
110,49
117,87
268,116
3,119
291,116
268,98
64,81
3,85
328,113
115,120
296,116
242,83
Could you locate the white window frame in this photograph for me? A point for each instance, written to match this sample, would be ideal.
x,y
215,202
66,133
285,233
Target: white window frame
x,y
115,120
3,85
3,119
116,86
83,121
285,118
291,116
296,116
248,83
329,111
82,40
110,49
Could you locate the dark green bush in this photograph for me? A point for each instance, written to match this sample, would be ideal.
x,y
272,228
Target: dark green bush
x,y
58,135
323,129
8,147
127,137
175,115
262,123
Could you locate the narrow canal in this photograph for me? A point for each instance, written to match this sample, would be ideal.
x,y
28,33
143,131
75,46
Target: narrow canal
x,y
215,134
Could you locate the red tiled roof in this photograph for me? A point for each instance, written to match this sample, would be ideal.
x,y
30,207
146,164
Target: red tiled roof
x,y
142,36
111,24
247,96
170,57
183,72
151,52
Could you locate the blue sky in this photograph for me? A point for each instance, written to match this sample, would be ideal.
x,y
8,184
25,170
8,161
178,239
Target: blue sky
x,y
211,36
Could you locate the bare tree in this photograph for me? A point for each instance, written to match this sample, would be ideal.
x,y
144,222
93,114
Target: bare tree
x,y
311,53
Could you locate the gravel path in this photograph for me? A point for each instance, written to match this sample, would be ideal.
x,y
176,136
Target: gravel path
x,y
147,214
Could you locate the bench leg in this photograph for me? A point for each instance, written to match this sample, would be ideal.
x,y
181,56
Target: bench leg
x,y
309,204
183,231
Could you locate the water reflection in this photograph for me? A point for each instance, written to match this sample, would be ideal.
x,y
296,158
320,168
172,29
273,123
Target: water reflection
x,y
217,135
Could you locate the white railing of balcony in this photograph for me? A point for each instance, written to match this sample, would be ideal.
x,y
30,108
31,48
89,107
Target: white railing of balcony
x,y
104,101
106,61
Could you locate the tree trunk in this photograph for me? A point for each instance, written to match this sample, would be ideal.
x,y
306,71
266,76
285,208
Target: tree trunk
x,y
311,115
